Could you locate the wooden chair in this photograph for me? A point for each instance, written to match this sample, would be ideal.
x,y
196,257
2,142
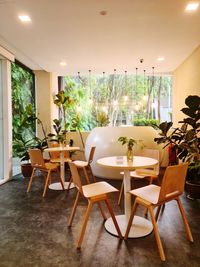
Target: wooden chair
x,y
86,165
37,162
149,174
154,196
94,193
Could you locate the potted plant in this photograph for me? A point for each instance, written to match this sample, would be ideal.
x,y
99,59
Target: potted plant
x,y
185,140
60,134
130,144
25,138
77,125
21,147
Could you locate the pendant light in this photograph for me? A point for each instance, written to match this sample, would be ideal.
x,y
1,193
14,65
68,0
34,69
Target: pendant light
x,y
144,85
90,101
115,102
125,96
105,106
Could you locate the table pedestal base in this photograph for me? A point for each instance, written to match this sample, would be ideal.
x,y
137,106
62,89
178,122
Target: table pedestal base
x,y
140,227
57,186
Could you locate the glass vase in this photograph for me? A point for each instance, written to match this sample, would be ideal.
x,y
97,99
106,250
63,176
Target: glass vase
x,y
129,155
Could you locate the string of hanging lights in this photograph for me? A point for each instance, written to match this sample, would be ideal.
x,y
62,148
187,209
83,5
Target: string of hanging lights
x,y
118,97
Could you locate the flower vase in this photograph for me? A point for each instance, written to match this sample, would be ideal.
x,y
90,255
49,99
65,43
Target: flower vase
x,y
129,155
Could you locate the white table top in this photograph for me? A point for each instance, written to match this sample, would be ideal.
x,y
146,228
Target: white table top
x,y
120,162
62,148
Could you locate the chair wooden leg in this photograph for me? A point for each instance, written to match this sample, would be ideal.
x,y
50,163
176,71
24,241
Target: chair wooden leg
x,y
157,236
74,209
150,180
90,204
46,183
113,218
120,193
70,182
187,228
101,210
158,212
86,175
131,219
61,181
31,180
94,178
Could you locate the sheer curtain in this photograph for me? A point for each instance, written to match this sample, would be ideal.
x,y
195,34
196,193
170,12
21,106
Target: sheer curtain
x,y
5,116
1,125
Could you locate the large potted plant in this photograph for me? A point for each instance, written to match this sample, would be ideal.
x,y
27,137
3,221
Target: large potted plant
x,y
21,147
25,138
185,140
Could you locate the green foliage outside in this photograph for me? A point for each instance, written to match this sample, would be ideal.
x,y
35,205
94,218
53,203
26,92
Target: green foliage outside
x,y
115,100
144,122
23,124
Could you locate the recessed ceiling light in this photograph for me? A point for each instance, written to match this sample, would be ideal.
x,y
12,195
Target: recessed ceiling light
x,y
103,12
160,58
192,6
24,18
63,63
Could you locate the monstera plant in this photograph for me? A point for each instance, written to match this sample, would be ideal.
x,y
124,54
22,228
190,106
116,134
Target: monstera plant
x,y
186,141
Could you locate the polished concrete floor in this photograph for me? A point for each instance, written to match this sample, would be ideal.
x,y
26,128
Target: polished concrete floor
x,y
34,232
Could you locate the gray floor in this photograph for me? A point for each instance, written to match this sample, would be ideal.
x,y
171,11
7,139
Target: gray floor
x,y
34,232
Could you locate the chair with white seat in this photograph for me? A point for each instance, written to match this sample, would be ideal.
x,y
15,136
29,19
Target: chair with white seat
x,y
149,174
152,196
94,193
37,162
86,165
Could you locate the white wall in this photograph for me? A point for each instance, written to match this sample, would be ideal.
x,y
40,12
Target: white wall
x,y
186,82
46,86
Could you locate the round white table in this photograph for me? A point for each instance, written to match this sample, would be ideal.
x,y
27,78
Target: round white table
x,y
141,226
61,149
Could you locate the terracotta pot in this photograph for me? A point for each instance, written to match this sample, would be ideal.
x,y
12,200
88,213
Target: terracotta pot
x,y
26,169
193,190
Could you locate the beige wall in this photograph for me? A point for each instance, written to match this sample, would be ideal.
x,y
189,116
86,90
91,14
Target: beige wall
x,y
186,82
46,86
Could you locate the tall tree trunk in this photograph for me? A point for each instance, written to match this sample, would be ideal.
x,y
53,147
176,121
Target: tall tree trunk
x,y
159,93
150,84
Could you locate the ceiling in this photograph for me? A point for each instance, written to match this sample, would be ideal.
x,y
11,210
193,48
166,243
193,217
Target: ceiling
x,y
75,32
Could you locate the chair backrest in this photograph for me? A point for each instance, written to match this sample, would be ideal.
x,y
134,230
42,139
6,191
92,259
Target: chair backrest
x,y
154,154
76,177
173,182
36,158
92,150
56,155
